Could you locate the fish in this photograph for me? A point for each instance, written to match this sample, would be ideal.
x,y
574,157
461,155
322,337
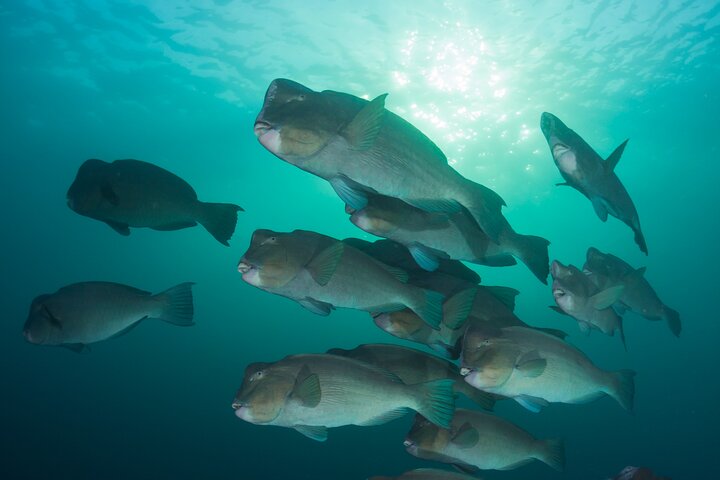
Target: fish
x,y
478,440
637,473
414,366
430,236
89,312
322,273
361,148
585,171
536,368
428,474
133,193
576,296
606,271
314,392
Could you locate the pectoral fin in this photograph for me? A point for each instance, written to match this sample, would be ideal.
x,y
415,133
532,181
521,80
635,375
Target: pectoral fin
x,y
317,433
307,388
364,129
121,228
559,310
109,194
534,404
427,258
350,192
76,347
600,208
466,437
531,364
316,306
323,266
607,297
54,321
505,294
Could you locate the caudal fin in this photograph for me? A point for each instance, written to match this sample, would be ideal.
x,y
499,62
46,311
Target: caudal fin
x,y
436,401
552,452
622,388
533,252
428,306
673,320
219,219
640,239
177,305
485,207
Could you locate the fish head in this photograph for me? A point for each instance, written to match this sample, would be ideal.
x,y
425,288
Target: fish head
x,y
272,260
560,139
569,286
263,393
595,261
425,438
404,324
90,193
42,327
295,121
488,357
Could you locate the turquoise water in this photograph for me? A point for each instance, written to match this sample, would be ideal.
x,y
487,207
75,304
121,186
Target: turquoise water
x,y
179,84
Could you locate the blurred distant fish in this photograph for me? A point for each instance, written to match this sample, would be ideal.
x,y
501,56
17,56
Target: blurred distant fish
x,y
606,271
88,312
312,393
432,236
133,193
428,474
577,296
477,440
322,273
361,148
584,170
637,473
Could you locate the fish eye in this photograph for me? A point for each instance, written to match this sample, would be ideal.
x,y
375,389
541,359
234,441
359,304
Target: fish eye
x,y
301,97
270,241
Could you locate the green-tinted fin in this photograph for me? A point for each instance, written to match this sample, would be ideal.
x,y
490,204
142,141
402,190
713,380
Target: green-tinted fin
x,y
559,310
53,319
323,266
352,193
498,261
466,437
316,306
307,388
363,130
121,228
399,274
465,468
554,332
531,364
174,226
127,329
425,257
534,404
614,157
318,433
444,205
109,194
600,208
505,294
385,417
457,308
76,347
607,297
515,465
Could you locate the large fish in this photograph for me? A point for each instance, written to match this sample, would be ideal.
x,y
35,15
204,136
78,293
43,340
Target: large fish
x,y
577,296
322,273
312,393
132,193
477,440
430,236
413,366
606,270
88,312
428,474
584,170
360,148
536,368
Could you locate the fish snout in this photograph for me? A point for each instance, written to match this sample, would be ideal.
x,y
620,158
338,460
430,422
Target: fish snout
x,y
261,127
382,320
244,266
547,123
465,371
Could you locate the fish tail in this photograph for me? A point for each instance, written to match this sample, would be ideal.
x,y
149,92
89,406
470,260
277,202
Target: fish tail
x,y
621,329
672,318
219,219
622,388
436,401
178,305
428,306
484,399
533,252
552,452
485,207
639,237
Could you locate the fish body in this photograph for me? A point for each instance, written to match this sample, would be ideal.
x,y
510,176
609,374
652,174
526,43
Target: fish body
x,y
477,440
361,148
428,474
322,273
311,393
606,271
584,170
536,368
430,236
133,193
88,312
414,366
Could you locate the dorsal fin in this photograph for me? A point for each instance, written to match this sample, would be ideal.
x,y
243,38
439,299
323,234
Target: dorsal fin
x,y
614,157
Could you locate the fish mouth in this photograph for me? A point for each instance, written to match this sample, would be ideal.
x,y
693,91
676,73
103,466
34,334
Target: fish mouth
x,y
349,210
245,267
465,371
261,127
408,443
558,292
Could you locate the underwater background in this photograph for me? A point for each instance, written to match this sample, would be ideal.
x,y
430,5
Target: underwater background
x,y
179,84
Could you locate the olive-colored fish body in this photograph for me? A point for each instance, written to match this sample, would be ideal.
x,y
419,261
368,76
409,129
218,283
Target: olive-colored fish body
x,y
414,366
133,193
361,148
577,296
481,441
536,368
430,236
311,393
428,474
584,170
88,312
322,273
606,271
